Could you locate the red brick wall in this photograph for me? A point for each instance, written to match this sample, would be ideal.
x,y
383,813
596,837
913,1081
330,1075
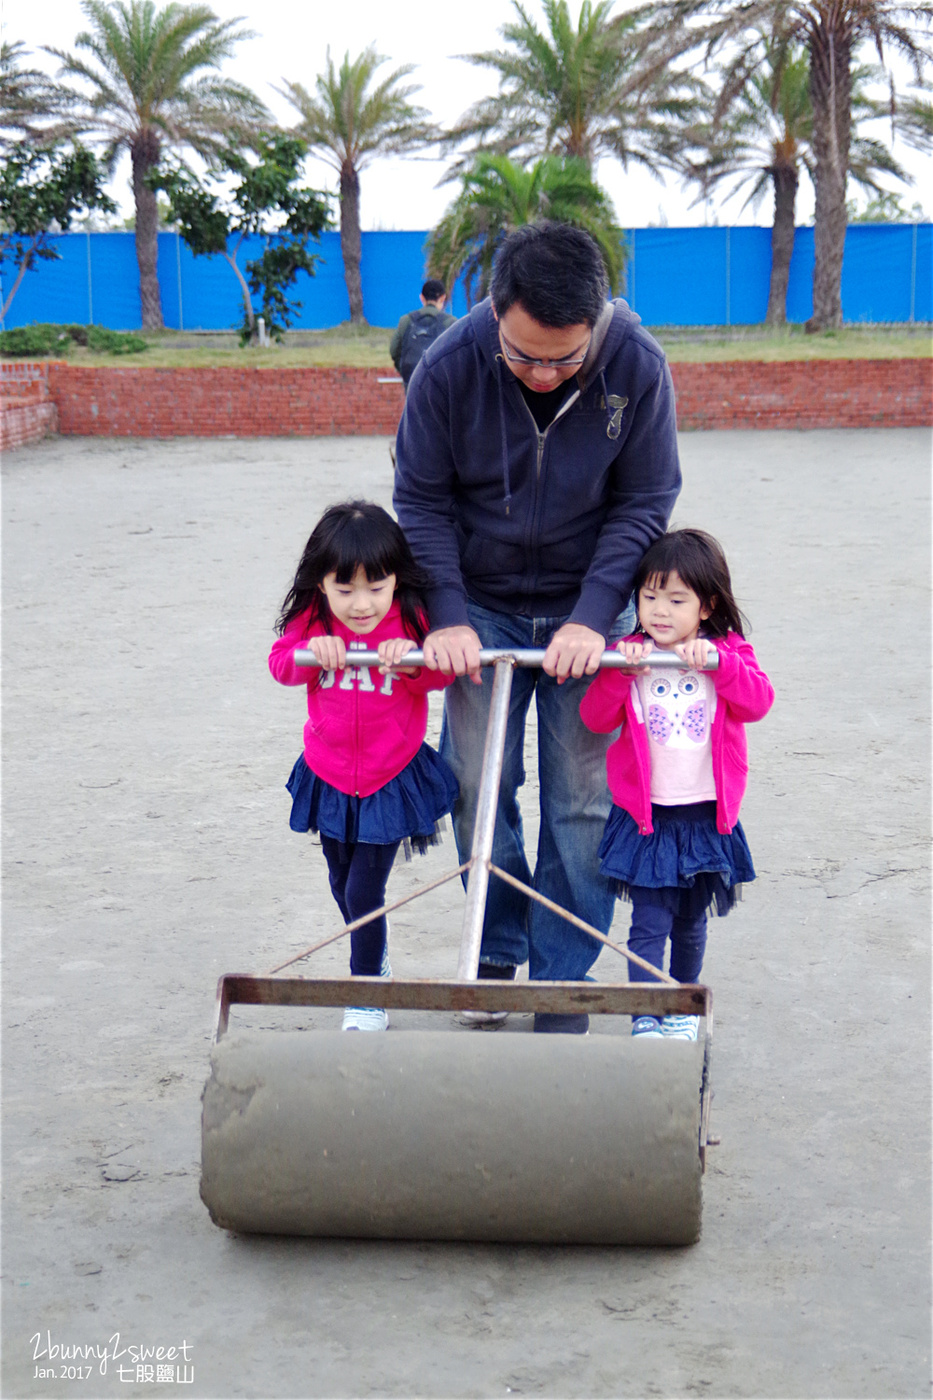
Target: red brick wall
x,y
141,402
22,422
805,394
226,402
26,414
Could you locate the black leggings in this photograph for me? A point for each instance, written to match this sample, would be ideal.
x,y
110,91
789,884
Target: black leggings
x,y
358,878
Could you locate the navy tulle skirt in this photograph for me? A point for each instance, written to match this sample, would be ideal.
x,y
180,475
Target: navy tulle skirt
x,y
407,809
684,865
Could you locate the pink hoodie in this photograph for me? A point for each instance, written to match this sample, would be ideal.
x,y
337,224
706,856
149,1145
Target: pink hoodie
x,y
362,728
743,694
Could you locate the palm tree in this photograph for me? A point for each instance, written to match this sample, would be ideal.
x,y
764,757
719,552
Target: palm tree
x,y
498,196
762,134
831,31
152,82
348,123
31,107
594,89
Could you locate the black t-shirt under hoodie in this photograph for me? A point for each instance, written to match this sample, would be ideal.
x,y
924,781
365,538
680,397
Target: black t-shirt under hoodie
x,y
544,407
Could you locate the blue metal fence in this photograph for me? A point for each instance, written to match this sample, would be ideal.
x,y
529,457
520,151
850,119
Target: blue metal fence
x,y
675,276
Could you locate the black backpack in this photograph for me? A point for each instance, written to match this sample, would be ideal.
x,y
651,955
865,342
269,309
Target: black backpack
x,y
422,330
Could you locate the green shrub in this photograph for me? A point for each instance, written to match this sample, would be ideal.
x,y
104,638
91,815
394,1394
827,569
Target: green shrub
x,y
43,339
114,342
35,340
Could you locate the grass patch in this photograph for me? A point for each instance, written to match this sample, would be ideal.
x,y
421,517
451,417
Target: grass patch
x,y
708,344
367,347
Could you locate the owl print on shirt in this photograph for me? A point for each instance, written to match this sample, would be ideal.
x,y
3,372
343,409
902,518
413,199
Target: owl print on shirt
x,y
678,715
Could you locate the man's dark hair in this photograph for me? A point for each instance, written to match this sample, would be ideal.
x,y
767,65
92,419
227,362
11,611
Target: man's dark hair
x,y
556,273
433,289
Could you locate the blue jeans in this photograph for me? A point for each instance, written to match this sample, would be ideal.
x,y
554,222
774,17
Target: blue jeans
x,y
574,804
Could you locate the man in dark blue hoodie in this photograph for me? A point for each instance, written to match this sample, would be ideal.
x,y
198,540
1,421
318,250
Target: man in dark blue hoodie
x,y
537,460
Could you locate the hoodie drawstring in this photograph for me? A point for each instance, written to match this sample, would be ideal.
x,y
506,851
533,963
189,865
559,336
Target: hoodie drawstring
x,y
505,446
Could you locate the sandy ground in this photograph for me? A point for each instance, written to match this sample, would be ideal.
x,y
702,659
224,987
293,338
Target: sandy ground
x,y
148,851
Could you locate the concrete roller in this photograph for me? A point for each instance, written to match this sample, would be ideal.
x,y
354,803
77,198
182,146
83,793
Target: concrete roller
x,y
433,1135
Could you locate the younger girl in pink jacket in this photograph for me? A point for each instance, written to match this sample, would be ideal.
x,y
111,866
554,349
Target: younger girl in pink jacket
x,y
366,780
673,842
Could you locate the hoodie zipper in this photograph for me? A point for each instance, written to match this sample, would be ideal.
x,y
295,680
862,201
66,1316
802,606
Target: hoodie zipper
x,y
541,439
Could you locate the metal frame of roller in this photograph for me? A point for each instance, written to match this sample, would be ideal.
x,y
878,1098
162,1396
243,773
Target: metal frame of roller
x,y
460,1136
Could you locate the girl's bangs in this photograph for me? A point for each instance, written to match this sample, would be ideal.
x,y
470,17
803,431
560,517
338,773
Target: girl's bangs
x,y
359,545
657,578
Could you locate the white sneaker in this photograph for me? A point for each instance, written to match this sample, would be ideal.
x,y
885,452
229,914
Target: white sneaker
x,y
482,1018
486,1018
680,1027
365,1018
370,1018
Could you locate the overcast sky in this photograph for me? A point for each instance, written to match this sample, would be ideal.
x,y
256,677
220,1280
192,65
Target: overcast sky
x,y
290,43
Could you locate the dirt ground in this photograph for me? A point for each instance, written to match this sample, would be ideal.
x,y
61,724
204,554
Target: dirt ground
x,y
147,851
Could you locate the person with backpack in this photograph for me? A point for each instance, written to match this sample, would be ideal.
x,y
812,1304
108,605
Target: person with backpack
x,y
419,329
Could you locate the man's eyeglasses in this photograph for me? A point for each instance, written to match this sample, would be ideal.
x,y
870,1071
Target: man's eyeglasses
x,y
567,362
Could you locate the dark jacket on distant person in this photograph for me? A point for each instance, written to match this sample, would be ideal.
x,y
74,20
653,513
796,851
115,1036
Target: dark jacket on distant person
x,y
396,344
544,524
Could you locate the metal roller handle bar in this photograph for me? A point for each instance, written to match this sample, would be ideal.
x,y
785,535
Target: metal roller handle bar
x,y
530,656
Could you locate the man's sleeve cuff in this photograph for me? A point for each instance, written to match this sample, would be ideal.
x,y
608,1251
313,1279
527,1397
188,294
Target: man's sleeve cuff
x,y
447,607
597,608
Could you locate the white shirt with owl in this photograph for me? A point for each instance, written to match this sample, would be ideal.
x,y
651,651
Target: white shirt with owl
x,y
677,709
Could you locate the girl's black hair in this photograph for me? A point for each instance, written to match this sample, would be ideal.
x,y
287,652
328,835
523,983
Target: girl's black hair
x,y
349,536
700,562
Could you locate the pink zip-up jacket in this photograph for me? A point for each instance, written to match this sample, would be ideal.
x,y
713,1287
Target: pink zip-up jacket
x,y
743,694
363,728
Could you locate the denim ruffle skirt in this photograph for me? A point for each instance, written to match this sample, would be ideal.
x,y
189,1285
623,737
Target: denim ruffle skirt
x,y
408,808
684,865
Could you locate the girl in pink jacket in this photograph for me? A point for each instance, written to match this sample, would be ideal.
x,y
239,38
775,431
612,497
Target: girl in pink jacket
x,y
366,780
673,842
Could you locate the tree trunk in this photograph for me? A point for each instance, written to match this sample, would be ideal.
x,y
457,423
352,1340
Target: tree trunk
x,y
145,152
247,299
24,267
830,47
350,242
782,241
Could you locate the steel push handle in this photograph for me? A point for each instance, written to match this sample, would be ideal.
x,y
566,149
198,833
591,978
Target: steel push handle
x,y
522,656
504,660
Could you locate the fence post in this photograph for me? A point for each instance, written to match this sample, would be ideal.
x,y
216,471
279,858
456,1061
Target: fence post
x,y
181,313
913,273
90,280
728,277
631,280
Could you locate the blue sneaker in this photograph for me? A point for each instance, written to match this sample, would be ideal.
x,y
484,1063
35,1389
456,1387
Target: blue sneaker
x,y
680,1027
648,1026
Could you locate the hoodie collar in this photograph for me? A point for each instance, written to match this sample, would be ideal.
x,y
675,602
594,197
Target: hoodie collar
x,y
600,333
